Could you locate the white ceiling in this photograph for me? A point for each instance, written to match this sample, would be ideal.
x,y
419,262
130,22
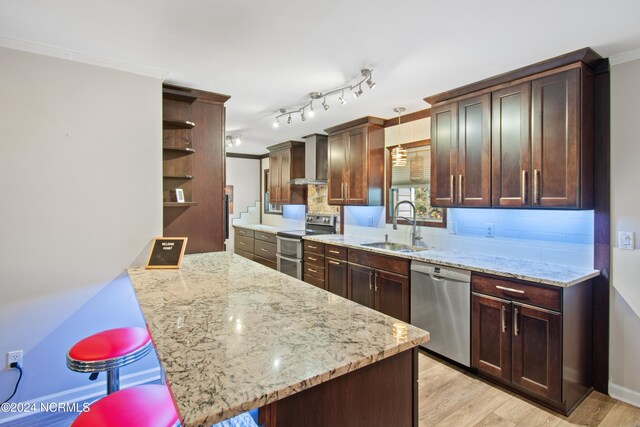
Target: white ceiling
x,y
271,54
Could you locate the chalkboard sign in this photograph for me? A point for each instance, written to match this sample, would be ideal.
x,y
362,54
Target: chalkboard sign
x,y
167,252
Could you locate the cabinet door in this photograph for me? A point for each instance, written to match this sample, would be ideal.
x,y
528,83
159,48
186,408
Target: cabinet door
x,y
491,336
357,167
474,152
511,146
336,169
274,177
555,140
537,351
361,285
444,147
392,294
336,277
285,176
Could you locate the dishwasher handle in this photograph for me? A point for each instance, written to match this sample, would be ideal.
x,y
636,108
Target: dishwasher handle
x,y
440,273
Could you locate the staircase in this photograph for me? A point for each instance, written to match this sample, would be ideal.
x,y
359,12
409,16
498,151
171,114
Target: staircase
x,y
250,216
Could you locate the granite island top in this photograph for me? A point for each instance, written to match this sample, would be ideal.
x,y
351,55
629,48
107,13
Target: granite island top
x,y
532,271
233,335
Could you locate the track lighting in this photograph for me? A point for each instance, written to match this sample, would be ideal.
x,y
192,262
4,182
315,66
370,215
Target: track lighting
x,y
355,88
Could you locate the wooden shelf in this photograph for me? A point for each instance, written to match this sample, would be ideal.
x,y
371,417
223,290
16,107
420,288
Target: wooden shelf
x,y
178,95
178,176
178,205
185,150
177,124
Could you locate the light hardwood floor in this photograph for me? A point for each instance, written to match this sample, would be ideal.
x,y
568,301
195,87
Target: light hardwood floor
x,y
449,396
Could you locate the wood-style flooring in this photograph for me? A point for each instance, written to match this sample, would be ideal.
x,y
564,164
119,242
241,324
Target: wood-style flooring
x,y
450,396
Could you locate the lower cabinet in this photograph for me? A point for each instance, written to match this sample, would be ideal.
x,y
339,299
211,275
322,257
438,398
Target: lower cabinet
x,y
371,285
336,276
314,271
258,246
534,339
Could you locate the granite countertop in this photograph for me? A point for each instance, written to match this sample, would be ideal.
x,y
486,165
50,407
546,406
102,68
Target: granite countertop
x,y
261,227
532,271
233,335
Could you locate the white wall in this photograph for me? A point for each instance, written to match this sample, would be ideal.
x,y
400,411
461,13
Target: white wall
x,y
80,164
625,216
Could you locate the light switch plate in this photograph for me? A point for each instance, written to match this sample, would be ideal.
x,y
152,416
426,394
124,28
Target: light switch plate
x,y
626,240
489,230
453,227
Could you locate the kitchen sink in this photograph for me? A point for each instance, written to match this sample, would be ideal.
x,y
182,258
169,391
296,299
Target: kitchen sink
x,y
396,247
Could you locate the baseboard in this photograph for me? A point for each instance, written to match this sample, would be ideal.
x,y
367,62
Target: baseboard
x,y
94,390
624,394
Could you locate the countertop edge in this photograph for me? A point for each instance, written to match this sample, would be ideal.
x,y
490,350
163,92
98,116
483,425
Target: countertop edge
x,y
425,258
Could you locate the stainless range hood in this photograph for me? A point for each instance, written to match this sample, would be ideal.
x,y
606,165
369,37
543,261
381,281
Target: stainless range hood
x,y
315,163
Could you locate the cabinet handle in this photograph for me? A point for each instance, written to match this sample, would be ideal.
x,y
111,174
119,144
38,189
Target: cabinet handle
x,y
515,291
264,250
334,262
460,189
502,319
312,247
370,284
313,259
312,270
375,281
524,187
342,191
242,243
333,252
536,183
451,184
515,321
346,184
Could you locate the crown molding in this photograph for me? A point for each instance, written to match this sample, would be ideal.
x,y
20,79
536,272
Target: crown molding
x,y
85,58
629,55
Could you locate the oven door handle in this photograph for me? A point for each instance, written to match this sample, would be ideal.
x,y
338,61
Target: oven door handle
x,y
289,239
286,258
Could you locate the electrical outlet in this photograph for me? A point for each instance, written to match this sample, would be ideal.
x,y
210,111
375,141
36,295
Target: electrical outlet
x,y
626,240
453,227
489,231
14,357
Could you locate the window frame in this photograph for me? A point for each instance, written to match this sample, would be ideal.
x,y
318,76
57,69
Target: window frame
x,y
413,144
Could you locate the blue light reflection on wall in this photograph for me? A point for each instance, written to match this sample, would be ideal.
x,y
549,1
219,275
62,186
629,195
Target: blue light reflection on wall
x,y
554,226
294,211
364,216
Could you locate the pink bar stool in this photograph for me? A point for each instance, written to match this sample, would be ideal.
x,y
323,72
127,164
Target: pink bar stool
x,y
141,406
109,351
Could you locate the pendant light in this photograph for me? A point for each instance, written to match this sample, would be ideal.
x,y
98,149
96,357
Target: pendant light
x,y
399,154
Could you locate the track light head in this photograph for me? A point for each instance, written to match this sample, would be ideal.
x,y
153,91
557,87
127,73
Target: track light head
x,y
342,100
311,112
325,105
370,83
289,120
357,93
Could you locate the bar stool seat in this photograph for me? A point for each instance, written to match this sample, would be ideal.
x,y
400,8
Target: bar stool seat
x,y
109,351
141,406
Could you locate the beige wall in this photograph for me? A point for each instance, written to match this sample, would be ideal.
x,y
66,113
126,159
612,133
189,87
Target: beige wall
x,y
80,166
625,216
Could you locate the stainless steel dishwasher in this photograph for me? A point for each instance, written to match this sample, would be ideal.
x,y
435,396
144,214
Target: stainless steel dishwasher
x,y
441,304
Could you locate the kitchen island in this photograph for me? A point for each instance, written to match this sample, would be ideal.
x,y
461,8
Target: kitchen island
x,y
233,335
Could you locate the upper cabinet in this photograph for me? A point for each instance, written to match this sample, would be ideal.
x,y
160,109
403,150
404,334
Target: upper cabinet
x,y
461,153
356,162
286,162
523,143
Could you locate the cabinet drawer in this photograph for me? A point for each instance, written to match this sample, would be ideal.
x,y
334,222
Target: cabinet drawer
x,y
265,262
265,250
333,251
380,262
314,271
314,281
244,232
265,237
315,247
517,291
244,243
313,259
245,254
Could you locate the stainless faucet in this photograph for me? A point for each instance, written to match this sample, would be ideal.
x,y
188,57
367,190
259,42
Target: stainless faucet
x,y
415,233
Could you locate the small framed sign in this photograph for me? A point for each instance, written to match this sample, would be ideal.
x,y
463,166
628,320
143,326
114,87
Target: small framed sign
x,y
167,252
179,195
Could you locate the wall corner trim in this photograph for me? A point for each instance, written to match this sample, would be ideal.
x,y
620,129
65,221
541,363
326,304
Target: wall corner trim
x,y
626,56
86,58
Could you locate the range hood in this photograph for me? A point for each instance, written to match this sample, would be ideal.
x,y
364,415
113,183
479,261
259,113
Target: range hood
x,y
315,160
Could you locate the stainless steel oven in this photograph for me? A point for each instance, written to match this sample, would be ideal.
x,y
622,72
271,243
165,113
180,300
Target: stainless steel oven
x,y
289,243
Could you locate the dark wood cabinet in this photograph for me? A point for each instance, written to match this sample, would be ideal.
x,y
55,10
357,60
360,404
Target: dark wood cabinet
x,y
379,282
461,153
356,162
286,162
193,155
524,144
534,339
314,264
336,276
258,246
